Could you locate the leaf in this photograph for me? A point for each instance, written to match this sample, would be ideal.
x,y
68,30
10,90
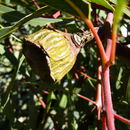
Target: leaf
x,y
5,9
9,15
64,6
42,21
63,101
102,2
12,82
128,91
2,50
118,14
118,82
126,11
8,30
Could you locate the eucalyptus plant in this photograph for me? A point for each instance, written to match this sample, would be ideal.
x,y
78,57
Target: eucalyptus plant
x,y
74,75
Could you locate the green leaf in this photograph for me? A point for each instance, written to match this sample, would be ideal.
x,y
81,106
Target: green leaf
x,y
118,14
64,6
2,50
128,91
5,9
8,30
12,82
102,2
42,21
63,101
118,82
9,15
126,11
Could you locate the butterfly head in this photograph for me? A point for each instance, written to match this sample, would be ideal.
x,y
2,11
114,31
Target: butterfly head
x,y
80,39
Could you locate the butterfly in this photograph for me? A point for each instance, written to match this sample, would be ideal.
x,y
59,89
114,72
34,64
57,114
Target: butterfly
x,y
52,53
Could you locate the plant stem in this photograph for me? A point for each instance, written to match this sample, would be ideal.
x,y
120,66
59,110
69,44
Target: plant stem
x,y
104,125
85,98
113,48
121,118
36,4
91,26
107,98
99,91
108,26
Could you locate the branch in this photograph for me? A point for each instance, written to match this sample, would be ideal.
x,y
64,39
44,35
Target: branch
x,y
108,106
36,4
39,99
99,91
87,99
108,26
91,26
121,118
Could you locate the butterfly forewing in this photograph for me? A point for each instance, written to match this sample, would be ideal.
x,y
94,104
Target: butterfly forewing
x,y
60,58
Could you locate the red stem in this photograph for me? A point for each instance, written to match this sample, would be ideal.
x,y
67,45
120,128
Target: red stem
x,y
42,102
109,21
56,14
121,118
113,48
87,99
36,4
104,125
85,75
107,98
99,91
98,41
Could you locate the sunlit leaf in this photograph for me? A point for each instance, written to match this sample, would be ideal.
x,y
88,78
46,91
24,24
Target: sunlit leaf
x,y
42,21
5,9
63,101
118,14
2,50
118,82
104,3
126,11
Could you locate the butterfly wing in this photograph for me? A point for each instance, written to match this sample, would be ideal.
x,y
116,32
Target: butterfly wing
x,y
59,55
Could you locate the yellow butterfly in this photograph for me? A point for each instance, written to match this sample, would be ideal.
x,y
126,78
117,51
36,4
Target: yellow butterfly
x,y
52,53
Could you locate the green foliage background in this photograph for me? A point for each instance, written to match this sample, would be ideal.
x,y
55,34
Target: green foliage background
x,y
20,108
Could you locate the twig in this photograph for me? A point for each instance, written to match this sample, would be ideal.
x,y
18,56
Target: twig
x,y
39,99
121,118
91,26
56,14
85,98
36,4
85,75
